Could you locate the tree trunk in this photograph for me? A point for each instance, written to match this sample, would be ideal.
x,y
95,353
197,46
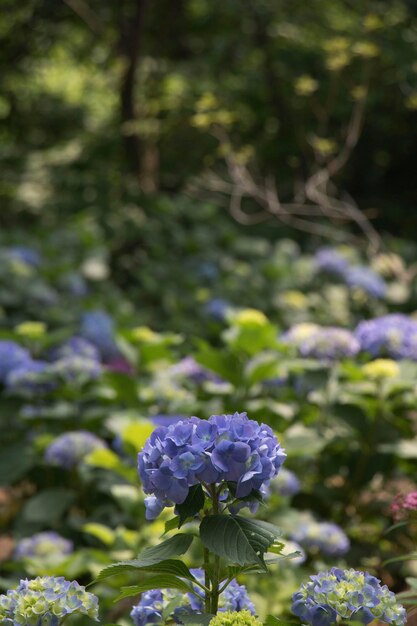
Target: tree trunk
x,y
131,35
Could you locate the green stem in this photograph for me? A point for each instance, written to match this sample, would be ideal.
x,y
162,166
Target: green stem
x,y
207,596
216,566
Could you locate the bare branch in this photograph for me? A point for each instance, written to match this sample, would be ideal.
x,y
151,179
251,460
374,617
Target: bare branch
x,y
85,14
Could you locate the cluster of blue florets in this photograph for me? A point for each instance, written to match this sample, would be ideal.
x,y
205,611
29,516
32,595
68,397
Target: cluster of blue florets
x,y
12,357
98,328
330,343
346,595
152,603
364,278
222,449
331,261
394,336
30,379
70,449
75,346
190,369
286,483
217,309
325,537
45,545
360,277
76,362
45,601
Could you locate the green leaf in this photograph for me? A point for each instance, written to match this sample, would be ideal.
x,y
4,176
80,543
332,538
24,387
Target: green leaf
x,y
223,363
271,620
399,559
262,367
48,506
107,459
169,566
395,526
100,531
172,524
162,581
171,606
199,619
237,539
15,461
193,503
174,546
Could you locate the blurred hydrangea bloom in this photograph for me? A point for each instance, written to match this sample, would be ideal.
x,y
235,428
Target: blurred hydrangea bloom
x,y
381,369
75,346
98,327
299,333
224,448
392,335
364,278
189,368
27,255
12,356
286,483
75,284
76,369
152,603
217,308
346,595
45,601
330,343
69,449
43,545
31,379
324,537
167,420
404,505
331,261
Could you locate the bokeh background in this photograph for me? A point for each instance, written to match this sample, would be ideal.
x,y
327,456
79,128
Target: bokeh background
x,y
189,187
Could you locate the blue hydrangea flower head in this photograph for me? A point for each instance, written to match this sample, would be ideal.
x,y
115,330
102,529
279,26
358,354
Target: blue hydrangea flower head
x,y
12,356
75,346
331,261
364,278
45,545
330,344
152,603
393,336
31,379
286,483
46,601
324,537
98,328
70,449
223,449
346,595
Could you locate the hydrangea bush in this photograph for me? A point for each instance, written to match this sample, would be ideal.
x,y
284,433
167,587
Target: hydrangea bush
x,y
46,601
43,545
346,595
70,449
